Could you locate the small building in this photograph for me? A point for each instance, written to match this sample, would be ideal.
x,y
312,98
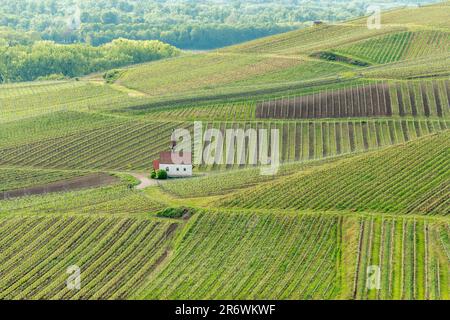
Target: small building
x,y
180,169
318,23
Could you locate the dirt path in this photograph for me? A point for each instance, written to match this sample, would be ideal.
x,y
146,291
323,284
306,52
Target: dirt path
x,y
145,181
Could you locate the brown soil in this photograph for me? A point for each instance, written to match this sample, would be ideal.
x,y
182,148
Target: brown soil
x,y
84,182
359,101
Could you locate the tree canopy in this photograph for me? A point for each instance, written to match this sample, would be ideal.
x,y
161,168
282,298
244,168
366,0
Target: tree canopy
x,y
186,24
46,59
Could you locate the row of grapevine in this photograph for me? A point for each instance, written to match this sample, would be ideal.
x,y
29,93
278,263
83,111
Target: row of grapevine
x,y
224,112
401,179
134,145
50,125
399,259
35,88
107,251
218,183
116,199
252,256
29,101
370,136
398,46
371,100
126,145
434,66
13,179
300,141
310,40
425,98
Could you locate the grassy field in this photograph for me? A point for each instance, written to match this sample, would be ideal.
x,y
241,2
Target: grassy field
x,y
363,117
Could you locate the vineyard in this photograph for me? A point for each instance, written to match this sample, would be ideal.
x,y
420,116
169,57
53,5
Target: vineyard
x,y
115,254
218,183
359,208
107,146
398,46
416,99
115,199
411,178
48,126
412,255
279,249
251,256
340,100
110,147
23,101
21,178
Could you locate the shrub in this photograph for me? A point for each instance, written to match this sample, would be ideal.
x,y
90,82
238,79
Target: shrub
x,y
161,174
51,77
111,76
153,174
175,213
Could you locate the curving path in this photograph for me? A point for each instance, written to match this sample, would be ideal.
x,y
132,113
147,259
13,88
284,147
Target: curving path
x,y
145,181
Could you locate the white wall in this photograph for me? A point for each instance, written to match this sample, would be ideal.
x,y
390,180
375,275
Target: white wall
x,y
177,170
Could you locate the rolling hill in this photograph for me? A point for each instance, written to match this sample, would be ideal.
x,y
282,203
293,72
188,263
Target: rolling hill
x,y
364,119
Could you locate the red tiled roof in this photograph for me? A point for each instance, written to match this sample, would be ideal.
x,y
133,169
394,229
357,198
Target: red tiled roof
x,y
166,158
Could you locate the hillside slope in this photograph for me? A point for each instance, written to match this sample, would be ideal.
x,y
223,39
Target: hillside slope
x,y
363,117
410,178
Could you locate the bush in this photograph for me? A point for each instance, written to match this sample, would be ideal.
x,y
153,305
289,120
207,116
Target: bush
x,y
51,77
175,213
153,174
111,76
161,174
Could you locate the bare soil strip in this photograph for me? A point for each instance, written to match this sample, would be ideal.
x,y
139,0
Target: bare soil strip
x,y
89,181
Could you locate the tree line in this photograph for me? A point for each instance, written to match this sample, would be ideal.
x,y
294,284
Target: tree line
x,y
199,24
42,60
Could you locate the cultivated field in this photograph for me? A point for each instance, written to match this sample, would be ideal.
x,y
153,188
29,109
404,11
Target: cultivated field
x,y
364,182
